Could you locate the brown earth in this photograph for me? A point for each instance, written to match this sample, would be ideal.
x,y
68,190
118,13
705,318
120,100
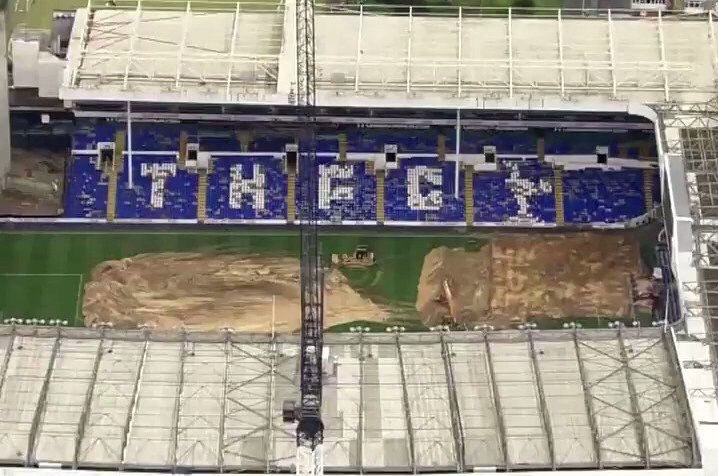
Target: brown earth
x,y
213,291
516,278
34,183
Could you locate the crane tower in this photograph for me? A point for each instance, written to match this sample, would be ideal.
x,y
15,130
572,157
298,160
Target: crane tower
x,y
307,412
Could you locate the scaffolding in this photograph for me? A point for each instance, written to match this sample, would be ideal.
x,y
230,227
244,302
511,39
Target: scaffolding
x,y
691,135
440,402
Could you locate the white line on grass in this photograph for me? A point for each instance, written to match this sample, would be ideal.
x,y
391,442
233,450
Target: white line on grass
x,y
79,300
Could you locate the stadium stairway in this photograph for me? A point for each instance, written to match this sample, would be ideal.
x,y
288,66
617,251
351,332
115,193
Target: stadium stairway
x,y
648,188
380,196
111,194
112,174
342,143
291,195
441,146
469,194
558,194
182,158
201,195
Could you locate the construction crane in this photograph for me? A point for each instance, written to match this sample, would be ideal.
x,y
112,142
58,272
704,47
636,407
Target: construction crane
x,y
307,412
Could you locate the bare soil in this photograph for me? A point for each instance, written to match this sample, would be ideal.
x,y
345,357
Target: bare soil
x,y
34,185
212,291
517,278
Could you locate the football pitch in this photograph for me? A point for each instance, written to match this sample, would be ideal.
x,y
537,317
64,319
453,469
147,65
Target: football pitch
x,y
42,273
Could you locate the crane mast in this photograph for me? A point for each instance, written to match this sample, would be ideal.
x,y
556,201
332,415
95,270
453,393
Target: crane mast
x,y
310,429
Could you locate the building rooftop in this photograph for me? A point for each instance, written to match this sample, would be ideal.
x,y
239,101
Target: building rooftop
x,y
399,57
411,402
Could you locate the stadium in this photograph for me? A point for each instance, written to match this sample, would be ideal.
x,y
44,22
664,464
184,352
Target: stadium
x,y
358,238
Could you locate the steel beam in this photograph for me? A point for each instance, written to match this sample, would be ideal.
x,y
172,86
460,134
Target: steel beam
x,y
686,414
132,408
133,39
89,394
41,402
543,406
357,63
588,399
407,409
639,424
511,54
223,403
83,44
178,404
714,45
560,53
183,43
459,52
500,423
457,426
6,358
360,426
230,60
612,55
410,34
269,440
662,51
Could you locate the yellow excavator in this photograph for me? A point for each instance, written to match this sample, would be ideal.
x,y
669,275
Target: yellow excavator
x,y
361,258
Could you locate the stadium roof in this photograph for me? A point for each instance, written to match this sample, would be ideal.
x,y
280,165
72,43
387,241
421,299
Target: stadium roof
x,y
406,402
459,57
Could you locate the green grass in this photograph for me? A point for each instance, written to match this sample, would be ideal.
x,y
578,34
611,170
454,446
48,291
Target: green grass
x,y
393,280
30,263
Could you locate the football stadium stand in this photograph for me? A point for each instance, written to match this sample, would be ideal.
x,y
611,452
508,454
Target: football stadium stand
x,y
418,184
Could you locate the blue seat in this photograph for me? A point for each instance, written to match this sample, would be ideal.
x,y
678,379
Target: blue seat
x,y
603,196
422,189
230,198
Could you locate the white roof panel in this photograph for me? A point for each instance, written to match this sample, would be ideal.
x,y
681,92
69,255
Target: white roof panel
x,y
413,402
366,56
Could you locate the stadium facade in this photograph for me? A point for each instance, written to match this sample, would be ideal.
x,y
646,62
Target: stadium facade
x,y
633,412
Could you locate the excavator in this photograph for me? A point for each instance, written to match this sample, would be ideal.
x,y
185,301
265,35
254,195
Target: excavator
x,y
447,298
362,257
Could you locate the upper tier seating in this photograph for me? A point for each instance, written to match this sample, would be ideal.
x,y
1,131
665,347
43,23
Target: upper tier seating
x,y
247,187
160,189
422,189
85,188
602,196
345,190
521,190
418,188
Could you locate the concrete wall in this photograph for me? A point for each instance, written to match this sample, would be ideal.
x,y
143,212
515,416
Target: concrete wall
x,y
4,108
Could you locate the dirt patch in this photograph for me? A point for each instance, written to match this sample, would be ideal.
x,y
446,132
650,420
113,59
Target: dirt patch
x,y
516,278
212,291
34,183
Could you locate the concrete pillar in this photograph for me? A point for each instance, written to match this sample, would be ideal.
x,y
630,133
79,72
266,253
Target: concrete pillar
x,y
4,108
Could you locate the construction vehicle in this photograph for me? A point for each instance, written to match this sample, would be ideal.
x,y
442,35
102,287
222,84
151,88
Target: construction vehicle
x,y
361,258
447,298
